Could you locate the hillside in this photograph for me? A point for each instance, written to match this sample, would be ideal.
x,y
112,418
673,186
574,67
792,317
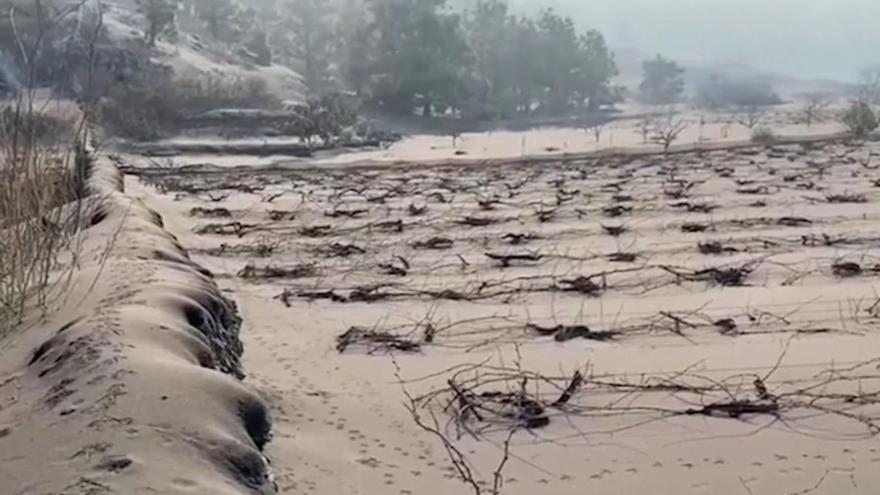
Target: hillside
x,y
629,62
117,35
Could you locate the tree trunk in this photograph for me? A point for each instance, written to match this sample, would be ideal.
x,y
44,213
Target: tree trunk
x,y
426,108
592,102
310,64
153,31
214,26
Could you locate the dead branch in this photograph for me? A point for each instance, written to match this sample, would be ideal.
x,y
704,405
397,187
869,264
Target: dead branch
x,y
232,228
616,210
715,247
389,225
210,212
478,221
281,215
622,257
583,285
725,276
847,269
846,198
505,260
693,227
794,221
269,272
564,333
340,212
434,243
614,230
374,341
260,249
417,210
694,207
519,239
392,267
341,250
316,231
546,214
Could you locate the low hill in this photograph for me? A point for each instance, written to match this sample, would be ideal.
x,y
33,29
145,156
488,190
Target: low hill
x,y
630,60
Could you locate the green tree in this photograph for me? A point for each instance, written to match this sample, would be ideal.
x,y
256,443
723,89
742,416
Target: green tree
x,y
160,16
662,81
720,91
420,57
312,30
597,69
247,26
218,16
238,22
559,58
326,117
354,46
521,64
525,68
489,30
259,46
869,85
860,119
506,73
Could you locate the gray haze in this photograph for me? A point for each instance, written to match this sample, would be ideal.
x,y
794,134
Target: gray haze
x,y
830,39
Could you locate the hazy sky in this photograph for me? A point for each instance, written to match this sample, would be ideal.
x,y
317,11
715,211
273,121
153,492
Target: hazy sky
x,y
807,38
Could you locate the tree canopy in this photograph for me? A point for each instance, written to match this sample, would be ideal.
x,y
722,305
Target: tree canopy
x,y
425,57
160,18
662,81
719,91
419,57
310,39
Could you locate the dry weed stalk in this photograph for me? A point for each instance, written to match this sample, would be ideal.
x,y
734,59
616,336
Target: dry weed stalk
x,y
42,211
460,463
482,398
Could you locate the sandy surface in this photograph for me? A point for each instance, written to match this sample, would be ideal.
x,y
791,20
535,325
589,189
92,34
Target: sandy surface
x,y
341,425
624,134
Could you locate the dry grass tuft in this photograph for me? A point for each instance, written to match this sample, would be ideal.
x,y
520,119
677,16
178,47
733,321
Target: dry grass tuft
x,y
37,179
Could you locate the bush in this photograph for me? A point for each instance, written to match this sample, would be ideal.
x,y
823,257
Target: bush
x,y
158,105
8,82
860,119
35,182
325,118
763,135
662,81
719,91
198,96
262,52
42,127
